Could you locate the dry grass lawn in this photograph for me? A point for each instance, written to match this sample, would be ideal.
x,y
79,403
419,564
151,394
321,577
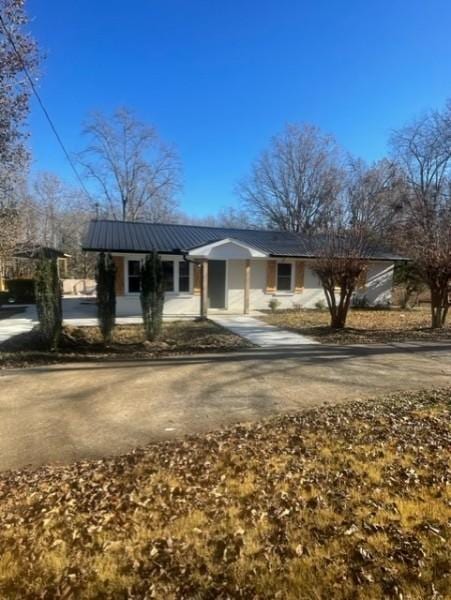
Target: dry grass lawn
x,y
85,343
363,326
340,502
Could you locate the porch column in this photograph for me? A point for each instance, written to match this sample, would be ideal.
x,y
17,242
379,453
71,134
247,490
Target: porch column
x,y
204,290
247,285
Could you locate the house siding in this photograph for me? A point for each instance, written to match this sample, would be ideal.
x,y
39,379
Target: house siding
x,y
307,298
187,306
377,290
379,283
175,304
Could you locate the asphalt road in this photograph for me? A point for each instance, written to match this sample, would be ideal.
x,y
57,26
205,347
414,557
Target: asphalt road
x,y
76,411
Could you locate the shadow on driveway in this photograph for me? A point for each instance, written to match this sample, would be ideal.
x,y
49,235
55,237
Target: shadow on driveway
x,y
308,354
91,410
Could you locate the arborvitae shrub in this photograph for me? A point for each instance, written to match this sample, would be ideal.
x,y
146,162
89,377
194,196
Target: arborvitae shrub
x,y
106,295
152,295
48,301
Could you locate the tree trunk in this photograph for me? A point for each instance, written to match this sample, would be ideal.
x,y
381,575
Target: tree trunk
x,y
338,312
439,305
338,320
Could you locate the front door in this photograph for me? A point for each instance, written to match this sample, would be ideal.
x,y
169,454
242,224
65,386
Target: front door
x,y
216,283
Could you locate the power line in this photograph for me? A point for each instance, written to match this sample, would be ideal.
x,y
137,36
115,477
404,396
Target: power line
x,y
44,110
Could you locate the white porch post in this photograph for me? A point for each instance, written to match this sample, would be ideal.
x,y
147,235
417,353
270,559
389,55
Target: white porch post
x,y
204,290
247,285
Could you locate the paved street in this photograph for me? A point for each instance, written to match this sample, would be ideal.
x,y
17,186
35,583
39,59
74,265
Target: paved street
x,y
69,412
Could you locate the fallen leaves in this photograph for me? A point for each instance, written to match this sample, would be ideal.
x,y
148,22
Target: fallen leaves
x,y
349,501
362,326
85,343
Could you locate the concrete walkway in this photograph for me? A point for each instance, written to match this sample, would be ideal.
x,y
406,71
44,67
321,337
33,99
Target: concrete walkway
x,y
90,410
80,311
77,311
260,333
18,323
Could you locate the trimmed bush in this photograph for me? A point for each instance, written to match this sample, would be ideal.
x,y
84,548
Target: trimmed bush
x,y
106,295
273,304
359,301
22,290
152,295
48,301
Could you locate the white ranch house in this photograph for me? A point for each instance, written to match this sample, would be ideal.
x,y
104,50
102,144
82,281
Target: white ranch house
x,y
221,270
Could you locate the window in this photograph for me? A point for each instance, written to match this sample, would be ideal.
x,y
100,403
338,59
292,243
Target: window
x,y
134,276
168,274
184,276
284,277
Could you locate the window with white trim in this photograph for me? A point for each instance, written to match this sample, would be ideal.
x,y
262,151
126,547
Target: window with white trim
x,y
168,275
184,281
134,276
284,277
176,275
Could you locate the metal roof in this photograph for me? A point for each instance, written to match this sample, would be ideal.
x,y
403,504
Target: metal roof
x,y
34,252
139,237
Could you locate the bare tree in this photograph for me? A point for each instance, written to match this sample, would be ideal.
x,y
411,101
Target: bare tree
x,y
9,228
374,195
423,151
136,173
367,206
342,259
52,199
295,183
234,218
18,52
55,214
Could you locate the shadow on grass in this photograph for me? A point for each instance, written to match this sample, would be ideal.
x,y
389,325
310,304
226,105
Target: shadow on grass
x,y
80,344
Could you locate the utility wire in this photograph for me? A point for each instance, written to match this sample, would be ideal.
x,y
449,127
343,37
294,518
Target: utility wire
x,y
44,110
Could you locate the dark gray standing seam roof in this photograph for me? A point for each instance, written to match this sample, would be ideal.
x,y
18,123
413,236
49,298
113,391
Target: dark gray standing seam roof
x,y
130,237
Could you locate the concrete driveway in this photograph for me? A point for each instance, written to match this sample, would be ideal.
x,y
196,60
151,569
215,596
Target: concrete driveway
x,y
68,412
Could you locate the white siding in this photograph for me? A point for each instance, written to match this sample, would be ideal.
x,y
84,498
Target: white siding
x,y
378,290
188,306
176,303
379,283
259,299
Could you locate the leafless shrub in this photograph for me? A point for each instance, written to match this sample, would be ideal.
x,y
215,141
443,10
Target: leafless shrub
x,y
342,258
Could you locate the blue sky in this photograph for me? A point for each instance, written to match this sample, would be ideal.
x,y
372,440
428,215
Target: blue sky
x,y
218,79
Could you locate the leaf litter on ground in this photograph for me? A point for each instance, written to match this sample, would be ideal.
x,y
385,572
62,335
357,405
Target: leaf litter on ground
x,y
347,501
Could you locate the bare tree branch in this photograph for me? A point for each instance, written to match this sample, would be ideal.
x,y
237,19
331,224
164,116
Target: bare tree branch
x,y
295,183
423,152
137,175
14,98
